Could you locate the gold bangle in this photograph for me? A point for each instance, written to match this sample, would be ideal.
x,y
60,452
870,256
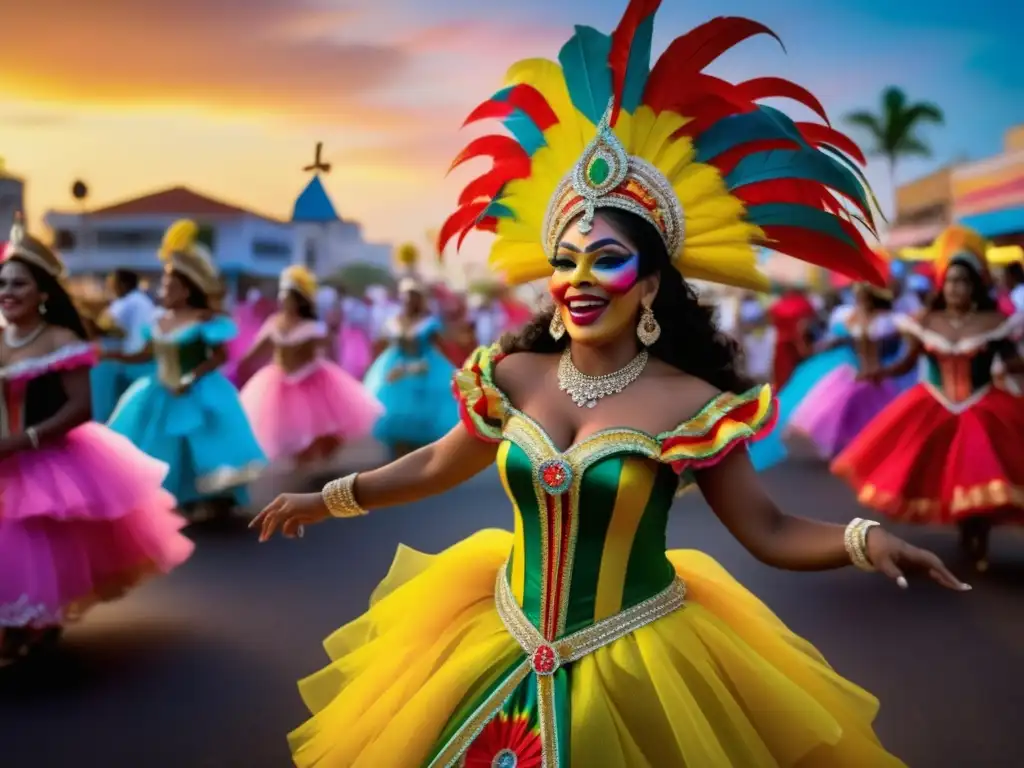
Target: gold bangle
x,y
855,539
340,499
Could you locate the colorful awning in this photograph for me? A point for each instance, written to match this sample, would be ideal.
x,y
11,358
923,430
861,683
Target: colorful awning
x,y
988,196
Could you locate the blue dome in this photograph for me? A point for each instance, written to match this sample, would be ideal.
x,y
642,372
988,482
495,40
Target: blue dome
x,y
313,205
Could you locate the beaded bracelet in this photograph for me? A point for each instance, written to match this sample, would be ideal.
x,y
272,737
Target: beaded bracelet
x,y
855,538
340,499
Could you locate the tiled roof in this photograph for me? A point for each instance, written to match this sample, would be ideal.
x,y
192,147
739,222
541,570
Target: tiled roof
x,y
176,201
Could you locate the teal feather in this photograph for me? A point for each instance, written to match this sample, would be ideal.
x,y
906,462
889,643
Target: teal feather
x,y
584,61
802,216
639,67
807,164
525,131
762,124
497,209
855,170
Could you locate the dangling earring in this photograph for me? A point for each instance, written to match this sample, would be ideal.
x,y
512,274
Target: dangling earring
x,y
42,308
648,330
557,327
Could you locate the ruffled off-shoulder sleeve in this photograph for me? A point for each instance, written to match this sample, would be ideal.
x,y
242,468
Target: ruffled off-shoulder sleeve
x,y
67,358
218,330
482,406
726,422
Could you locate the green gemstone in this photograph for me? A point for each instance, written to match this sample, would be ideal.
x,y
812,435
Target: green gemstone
x,y
599,170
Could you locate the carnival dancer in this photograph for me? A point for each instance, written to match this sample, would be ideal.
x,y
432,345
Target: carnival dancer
x,y
249,316
83,516
355,349
123,325
187,414
412,378
302,406
577,640
792,317
948,450
844,401
457,339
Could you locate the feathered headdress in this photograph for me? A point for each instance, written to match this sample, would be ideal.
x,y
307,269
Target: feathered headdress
x,y
718,174
960,244
182,252
21,245
299,279
407,256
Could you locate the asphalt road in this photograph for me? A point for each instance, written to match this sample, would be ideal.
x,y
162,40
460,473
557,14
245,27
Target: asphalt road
x,y
198,670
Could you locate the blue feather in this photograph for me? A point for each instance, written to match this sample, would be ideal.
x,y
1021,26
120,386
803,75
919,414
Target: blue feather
x,y
584,61
502,95
638,69
497,209
763,124
802,216
525,131
808,164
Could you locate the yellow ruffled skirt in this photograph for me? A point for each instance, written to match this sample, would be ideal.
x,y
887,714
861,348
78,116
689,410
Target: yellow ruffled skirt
x,y
720,683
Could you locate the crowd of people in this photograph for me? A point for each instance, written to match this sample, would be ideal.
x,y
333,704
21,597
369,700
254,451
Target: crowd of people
x,y
564,641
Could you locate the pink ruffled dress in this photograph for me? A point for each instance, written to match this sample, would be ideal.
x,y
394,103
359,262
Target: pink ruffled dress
x,y
290,411
83,518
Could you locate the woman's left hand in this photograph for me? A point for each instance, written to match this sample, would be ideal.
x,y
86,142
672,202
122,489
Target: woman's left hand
x,y
891,555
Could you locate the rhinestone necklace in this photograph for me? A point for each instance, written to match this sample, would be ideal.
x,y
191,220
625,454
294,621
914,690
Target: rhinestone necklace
x,y
586,390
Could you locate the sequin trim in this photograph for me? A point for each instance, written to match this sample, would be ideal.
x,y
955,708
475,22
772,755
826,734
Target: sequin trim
x,y
76,355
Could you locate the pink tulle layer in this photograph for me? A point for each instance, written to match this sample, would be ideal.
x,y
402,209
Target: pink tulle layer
x,y
81,521
92,474
289,412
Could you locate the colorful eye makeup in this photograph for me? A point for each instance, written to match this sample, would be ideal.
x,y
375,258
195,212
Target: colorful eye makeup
x,y
605,263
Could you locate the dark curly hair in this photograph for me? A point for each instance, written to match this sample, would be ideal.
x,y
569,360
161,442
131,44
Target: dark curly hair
x,y
981,292
690,339
304,307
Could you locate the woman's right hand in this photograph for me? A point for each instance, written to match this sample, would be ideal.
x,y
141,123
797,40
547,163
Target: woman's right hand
x,y
289,512
395,374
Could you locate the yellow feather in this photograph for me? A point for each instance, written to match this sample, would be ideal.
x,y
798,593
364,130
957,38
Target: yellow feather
x,y
179,238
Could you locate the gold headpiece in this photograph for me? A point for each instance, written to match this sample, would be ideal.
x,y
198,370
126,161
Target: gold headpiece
x,y
607,176
22,245
956,243
407,255
299,279
182,252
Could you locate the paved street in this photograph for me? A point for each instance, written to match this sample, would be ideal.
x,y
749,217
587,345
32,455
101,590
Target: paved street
x,y
198,670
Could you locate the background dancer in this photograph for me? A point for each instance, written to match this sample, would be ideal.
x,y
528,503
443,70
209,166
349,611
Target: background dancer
x,y
303,407
188,414
83,517
948,450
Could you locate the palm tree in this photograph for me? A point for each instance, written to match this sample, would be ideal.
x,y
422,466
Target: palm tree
x,y
893,131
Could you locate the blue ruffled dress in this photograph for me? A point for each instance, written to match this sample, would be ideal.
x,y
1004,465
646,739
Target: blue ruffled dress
x,y
203,434
110,379
418,407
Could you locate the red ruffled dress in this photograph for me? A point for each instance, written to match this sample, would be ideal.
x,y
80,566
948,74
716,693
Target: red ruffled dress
x,y
789,316
950,447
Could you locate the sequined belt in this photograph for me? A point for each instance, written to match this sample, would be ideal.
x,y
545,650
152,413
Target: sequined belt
x,y
546,657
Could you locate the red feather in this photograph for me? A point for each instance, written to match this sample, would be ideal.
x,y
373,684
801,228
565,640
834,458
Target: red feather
x,y
494,146
622,44
822,134
789,191
858,263
464,216
489,184
691,53
778,88
524,97
488,224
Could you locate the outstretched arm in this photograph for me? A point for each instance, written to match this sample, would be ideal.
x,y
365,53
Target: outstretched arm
x,y
431,470
732,489
905,364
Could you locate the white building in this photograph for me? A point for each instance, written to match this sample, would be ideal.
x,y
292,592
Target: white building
x,y
249,248
12,200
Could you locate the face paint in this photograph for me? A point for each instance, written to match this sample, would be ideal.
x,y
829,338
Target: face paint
x,y
594,284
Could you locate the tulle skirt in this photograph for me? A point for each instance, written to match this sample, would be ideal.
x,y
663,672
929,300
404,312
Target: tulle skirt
x,y
418,408
81,520
839,407
289,413
203,435
355,351
109,380
721,682
771,450
923,462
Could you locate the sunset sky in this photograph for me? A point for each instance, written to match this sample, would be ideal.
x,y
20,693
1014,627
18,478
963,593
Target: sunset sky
x,y
229,96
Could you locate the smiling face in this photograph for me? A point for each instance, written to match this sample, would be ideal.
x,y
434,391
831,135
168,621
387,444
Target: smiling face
x,y
19,295
596,283
173,291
